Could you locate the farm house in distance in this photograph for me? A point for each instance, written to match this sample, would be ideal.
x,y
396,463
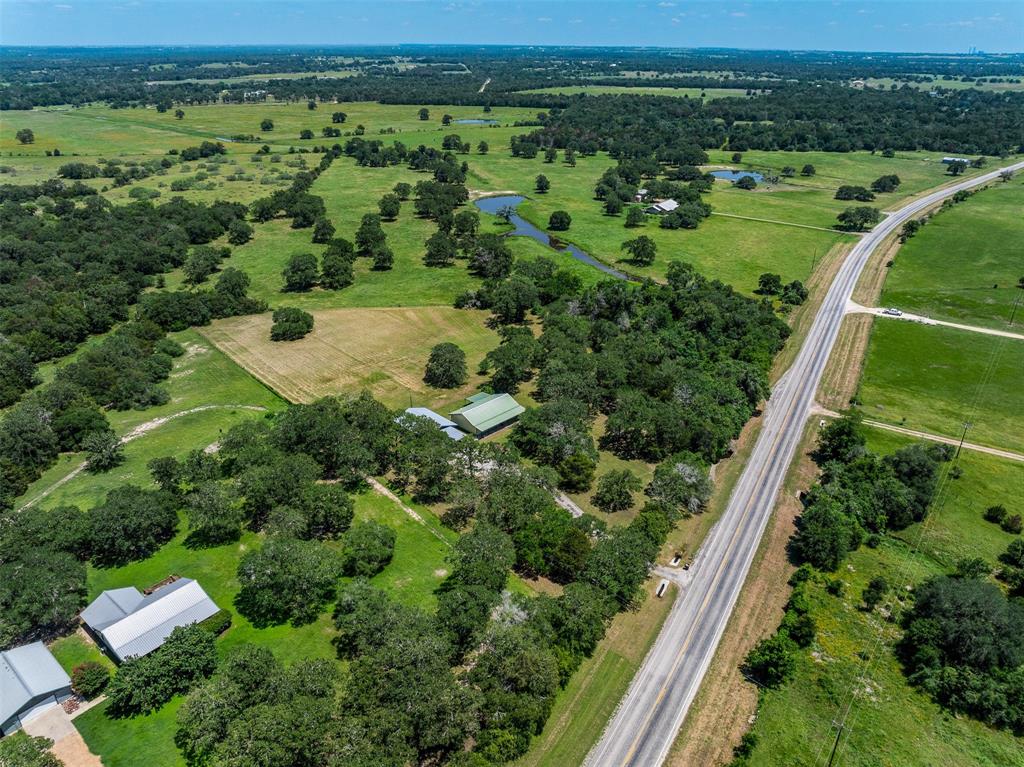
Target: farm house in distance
x,y
662,207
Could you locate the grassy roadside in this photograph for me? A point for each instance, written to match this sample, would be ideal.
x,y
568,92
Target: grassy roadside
x,y
726,702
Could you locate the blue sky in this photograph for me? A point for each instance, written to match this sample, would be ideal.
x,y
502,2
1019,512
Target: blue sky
x,y
873,25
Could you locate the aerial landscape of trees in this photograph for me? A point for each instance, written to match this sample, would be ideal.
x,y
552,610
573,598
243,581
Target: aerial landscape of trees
x,y
634,389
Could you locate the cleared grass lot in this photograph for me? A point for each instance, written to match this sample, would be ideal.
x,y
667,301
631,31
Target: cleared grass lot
x,y
891,723
934,379
964,264
381,350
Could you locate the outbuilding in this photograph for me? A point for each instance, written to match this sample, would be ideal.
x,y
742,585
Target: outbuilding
x,y
662,207
31,681
446,425
487,413
130,624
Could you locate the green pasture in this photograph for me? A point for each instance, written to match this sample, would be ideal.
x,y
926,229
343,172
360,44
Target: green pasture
x,y
934,379
202,378
938,82
890,722
733,250
955,528
964,264
98,131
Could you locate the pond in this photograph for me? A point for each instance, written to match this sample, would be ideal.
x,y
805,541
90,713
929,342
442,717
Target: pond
x,y
524,228
736,175
475,121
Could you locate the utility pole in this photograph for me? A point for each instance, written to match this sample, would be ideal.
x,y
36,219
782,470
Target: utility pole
x,y
1016,303
835,746
963,436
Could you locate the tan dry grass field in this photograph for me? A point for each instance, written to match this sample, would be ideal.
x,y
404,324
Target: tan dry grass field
x,y
381,350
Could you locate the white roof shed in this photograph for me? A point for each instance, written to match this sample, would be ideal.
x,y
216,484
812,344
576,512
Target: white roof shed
x,y
131,625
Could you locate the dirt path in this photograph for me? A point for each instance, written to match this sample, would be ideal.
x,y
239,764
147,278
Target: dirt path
x,y
783,223
486,83
1007,454
380,489
139,431
852,307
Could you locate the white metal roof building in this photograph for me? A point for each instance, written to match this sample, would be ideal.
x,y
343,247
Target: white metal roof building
x,y
31,680
129,624
665,206
446,425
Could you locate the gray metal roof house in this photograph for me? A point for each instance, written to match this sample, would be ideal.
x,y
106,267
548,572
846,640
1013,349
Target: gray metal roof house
x,y
129,624
31,680
486,413
446,425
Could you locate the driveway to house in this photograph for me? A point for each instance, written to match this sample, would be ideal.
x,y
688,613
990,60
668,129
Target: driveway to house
x,y
68,745
645,724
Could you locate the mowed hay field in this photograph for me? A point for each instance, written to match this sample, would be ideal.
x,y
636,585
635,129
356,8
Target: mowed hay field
x,y
964,264
383,351
934,379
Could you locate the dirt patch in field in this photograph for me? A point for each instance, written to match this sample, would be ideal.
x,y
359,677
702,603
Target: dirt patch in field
x,y
383,351
726,703
841,376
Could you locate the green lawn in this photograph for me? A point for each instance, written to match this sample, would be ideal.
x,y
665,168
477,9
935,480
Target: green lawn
x,y
964,264
145,739
416,570
891,723
934,379
202,378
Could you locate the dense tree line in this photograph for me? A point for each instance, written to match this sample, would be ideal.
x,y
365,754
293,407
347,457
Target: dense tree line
x,y
799,118
861,494
962,645
124,77
75,270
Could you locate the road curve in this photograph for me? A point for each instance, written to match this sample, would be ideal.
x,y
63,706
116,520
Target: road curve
x,y
644,726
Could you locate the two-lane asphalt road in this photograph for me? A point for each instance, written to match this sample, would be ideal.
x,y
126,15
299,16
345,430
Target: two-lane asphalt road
x,y
649,716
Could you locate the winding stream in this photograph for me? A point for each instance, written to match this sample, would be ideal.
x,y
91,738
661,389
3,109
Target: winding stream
x,y
524,228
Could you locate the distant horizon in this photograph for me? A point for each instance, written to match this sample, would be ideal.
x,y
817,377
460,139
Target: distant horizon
x,y
942,27
478,46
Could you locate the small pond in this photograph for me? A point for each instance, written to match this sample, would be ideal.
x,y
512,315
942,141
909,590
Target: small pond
x,y
524,228
736,175
475,121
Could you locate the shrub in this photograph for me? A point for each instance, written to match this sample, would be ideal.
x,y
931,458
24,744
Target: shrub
x,y
367,549
89,679
144,684
1012,524
995,514
771,662
290,324
559,221
217,623
446,367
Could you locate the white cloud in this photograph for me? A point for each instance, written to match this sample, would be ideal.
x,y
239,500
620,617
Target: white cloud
x,y
543,19
575,21
738,14
666,5
63,7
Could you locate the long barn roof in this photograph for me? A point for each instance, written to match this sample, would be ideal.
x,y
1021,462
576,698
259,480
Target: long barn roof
x,y
137,626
